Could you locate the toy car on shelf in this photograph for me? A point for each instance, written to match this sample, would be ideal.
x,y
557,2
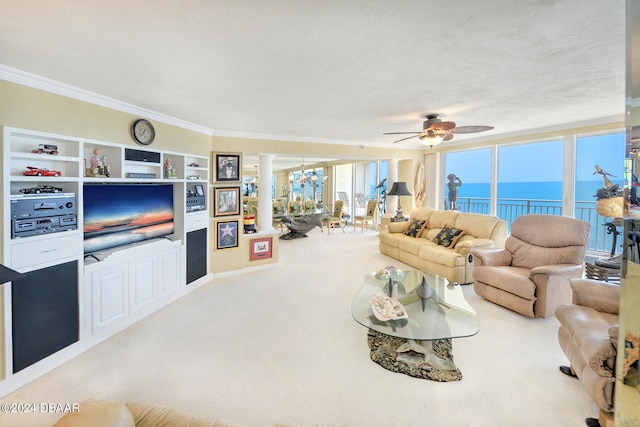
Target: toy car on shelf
x,y
41,189
46,149
34,171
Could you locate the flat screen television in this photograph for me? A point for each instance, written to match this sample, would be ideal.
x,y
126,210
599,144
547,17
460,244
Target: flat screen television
x,y
124,214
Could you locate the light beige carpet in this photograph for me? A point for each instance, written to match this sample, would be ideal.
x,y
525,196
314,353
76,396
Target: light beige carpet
x,y
280,345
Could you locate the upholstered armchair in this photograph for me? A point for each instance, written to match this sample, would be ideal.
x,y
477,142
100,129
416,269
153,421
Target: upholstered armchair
x,y
309,206
531,274
279,210
369,216
588,336
295,208
335,218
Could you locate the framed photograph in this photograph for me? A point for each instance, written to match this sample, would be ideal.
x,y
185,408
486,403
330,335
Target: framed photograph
x,y
227,167
226,234
199,190
226,201
260,248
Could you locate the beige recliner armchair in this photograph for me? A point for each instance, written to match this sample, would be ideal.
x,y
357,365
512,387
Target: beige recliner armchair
x,y
588,336
531,274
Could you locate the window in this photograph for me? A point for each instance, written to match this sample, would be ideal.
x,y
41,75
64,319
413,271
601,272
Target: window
x,y
473,170
530,179
605,152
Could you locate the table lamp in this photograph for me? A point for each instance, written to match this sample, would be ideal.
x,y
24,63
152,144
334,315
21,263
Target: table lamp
x,y
399,189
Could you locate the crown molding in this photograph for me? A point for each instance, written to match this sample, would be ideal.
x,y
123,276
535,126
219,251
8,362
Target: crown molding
x,y
20,77
272,137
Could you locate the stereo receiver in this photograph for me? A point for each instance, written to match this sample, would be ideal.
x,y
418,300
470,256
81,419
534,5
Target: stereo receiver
x,y
40,214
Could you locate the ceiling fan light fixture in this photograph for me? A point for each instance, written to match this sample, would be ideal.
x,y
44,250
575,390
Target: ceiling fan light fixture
x,y
432,140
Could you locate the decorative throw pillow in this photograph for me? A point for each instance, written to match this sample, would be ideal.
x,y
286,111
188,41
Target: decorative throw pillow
x,y
448,236
415,228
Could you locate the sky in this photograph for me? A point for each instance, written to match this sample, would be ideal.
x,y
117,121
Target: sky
x,y
539,162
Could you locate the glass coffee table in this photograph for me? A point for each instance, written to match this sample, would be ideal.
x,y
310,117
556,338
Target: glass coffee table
x,y
416,338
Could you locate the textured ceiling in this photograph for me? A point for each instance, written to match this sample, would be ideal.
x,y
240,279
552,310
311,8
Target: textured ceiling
x,y
332,70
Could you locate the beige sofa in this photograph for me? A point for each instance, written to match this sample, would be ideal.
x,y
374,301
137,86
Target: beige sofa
x,y
421,252
102,413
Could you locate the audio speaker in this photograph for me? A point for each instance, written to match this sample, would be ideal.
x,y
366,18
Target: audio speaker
x,y
141,155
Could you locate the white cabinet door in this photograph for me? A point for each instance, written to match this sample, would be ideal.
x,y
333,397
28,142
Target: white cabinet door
x,y
109,299
170,278
143,282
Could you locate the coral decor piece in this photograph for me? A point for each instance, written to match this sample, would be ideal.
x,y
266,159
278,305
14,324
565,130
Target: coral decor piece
x,y
419,187
386,308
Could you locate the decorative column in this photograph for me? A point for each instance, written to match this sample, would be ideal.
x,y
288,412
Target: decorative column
x,y
265,211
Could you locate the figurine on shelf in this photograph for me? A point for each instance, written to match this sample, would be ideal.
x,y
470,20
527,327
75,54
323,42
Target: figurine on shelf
x,y
169,168
99,164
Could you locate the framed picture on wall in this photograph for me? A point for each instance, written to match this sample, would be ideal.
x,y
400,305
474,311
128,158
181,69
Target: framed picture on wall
x,y
260,248
226,234
227,167
226,201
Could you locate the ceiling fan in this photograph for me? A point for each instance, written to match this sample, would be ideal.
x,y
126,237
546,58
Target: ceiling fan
x,y
434,131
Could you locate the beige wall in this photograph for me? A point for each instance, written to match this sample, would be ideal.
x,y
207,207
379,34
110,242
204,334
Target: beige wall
x,y
34,109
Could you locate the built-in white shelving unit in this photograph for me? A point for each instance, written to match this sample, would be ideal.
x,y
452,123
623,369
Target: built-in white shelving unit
x,y
114,289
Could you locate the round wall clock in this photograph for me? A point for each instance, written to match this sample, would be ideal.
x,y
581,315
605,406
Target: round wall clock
x,y
143,132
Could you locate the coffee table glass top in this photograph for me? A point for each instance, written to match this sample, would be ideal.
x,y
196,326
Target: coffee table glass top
x,y
443,314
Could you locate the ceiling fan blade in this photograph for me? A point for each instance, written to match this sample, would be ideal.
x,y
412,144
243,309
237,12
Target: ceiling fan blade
x,y
449,137
442,127
404,139
471,129
398,133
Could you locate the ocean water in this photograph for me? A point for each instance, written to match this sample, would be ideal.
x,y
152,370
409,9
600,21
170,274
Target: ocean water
x,y
546,190
518,198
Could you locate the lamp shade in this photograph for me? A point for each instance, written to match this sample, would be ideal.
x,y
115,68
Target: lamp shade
x,y
399,189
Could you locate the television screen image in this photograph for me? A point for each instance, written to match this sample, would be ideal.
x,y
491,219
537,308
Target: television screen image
x,y
123,214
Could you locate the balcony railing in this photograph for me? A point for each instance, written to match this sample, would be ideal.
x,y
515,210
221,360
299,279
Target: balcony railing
x,y
509,209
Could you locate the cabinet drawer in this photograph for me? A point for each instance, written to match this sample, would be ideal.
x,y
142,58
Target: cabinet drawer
x,y
196,220
43,251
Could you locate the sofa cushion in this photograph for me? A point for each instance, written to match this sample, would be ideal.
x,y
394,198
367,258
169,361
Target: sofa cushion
x,y
477,225
437,254
421,213
398,227
98,413
470,242
448,236
415,228
411,245
510,279
430,233
439,219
